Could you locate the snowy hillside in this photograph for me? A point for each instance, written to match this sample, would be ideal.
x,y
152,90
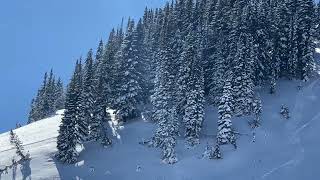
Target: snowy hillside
x,y
283,149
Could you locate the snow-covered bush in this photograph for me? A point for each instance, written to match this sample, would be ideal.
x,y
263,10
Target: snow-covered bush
x,y
285,112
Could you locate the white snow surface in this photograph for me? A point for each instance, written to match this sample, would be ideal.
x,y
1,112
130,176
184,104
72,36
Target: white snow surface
x,y
283,149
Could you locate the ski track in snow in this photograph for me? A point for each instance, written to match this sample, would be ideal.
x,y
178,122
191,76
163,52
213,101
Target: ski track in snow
x,y
278,168
295,138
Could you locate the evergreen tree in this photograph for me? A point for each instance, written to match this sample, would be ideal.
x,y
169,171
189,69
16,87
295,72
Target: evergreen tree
x,y
216,154
59,95
257,110
68,135
128,88
225,132
82,125
50,96
49,99
317,22
194,94
243,68
100,118
305,14
87,97
33,112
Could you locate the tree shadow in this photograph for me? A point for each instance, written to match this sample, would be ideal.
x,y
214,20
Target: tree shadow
x,y
87,166
14,170
26,170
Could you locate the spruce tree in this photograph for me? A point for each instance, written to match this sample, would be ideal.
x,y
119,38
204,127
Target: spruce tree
x,y
305,21
87,97
257,110
243,68
100,119
225,109
194,94
59,95
82,125
67,139
128,88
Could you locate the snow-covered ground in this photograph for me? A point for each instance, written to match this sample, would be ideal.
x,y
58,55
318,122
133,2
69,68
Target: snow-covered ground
x,y
283,149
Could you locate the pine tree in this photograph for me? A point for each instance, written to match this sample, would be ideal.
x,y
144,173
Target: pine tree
x,y
305,14
68,135
100,118
59,95
317,22
216,154
225,132
243,68
129,87
50,96
33,112
49,99
257,110
99,57
217,50
194,94
82,125
37,105
87,97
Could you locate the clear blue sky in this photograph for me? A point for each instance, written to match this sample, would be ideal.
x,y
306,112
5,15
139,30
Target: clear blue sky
x,y
36,35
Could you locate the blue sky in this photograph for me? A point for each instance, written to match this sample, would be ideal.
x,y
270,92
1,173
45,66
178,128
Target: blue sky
x,y
36,35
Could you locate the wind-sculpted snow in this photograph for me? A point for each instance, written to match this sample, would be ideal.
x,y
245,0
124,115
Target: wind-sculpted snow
x,y
279,149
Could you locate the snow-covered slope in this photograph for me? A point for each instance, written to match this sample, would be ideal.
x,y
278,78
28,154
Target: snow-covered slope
x,y
283,149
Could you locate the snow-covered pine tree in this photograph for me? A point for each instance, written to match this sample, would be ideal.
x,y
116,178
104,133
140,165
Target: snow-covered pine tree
x,y
216,154
87,97
49,105
317,22
182,30
217,51
225,109
49,94
169,137
128,87
194,94
283,25
305,38
59,95
243,68
100,119
105,69
143,63
33,112
82,127
274,43
37,110
165,109
148,48
98,57
257,110
67,139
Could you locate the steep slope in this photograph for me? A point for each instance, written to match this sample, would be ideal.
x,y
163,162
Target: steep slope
x,y
283,149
